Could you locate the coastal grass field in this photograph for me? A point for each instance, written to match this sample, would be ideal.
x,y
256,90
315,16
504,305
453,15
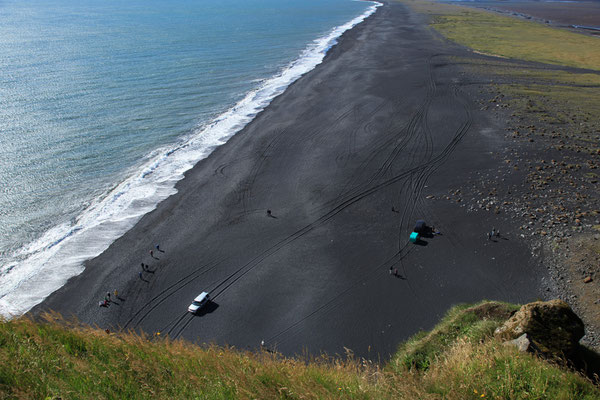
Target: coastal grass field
x,y
509,37
458,359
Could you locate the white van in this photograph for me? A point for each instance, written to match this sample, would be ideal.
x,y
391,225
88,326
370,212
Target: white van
x,y
199,302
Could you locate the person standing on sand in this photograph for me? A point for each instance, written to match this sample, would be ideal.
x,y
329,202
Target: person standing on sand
x,y
390,270
116,293
396,273
141,275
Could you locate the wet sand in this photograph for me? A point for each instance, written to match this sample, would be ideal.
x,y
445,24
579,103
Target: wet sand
x,y
384,122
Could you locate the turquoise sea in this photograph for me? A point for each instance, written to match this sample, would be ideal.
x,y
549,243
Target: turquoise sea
x,y
105,104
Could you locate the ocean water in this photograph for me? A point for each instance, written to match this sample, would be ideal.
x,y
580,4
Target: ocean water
x,y
105,104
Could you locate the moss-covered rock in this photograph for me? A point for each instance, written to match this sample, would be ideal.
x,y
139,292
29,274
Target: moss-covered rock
x,y
551,326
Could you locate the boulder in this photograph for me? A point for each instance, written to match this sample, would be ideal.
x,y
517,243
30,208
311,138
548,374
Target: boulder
x,y
551,326
522,343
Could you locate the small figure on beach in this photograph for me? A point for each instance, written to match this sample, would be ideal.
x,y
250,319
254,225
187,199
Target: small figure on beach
x,y
390,270
396,273
158,248
151,253
116,293
394,209
143,267
270,214
141,275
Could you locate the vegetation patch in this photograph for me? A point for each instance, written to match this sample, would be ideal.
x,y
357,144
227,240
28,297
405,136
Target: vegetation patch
x,y
472,323
495,34
458,359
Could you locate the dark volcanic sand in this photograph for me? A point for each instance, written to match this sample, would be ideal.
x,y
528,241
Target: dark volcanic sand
x,y
382,123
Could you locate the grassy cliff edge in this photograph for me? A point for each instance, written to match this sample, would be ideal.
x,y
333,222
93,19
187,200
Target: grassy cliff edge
x,y
458,359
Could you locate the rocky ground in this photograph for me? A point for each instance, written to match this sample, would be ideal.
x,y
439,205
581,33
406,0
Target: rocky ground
x,y
548,181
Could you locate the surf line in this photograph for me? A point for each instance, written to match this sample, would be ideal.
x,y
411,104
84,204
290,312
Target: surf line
x,y
45,265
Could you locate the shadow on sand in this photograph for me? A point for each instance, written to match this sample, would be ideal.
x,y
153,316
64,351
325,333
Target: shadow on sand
x,y
209,308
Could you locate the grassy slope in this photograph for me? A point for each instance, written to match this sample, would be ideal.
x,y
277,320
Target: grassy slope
x,y
457,360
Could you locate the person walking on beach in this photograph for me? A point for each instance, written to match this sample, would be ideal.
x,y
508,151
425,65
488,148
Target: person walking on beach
x,y
151,254
141,275
116,293
143,267
158,249
390,270
396,273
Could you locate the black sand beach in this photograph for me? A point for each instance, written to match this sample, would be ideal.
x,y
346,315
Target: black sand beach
x,y
384,122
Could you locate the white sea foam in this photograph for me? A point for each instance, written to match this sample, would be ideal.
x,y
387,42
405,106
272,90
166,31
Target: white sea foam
x,y
59,254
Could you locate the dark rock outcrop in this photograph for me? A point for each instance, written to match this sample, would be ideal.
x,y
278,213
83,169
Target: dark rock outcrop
x,y
552,328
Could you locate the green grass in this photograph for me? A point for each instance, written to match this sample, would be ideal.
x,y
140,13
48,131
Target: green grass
x,y
510,37
458,359
470,322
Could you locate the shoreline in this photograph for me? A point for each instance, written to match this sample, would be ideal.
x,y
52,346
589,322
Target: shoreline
x,y
61,252
382,123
